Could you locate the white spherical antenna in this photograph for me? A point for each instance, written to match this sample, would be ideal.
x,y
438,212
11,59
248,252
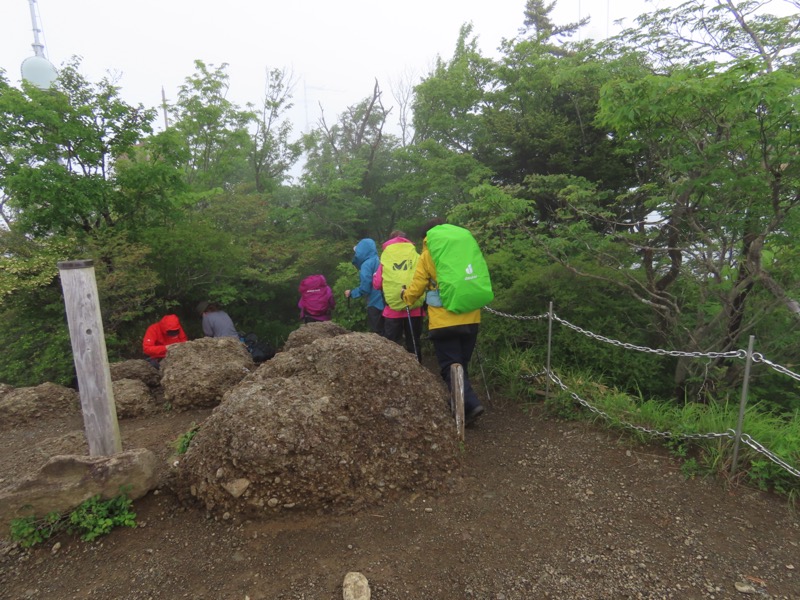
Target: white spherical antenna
x,y
39,71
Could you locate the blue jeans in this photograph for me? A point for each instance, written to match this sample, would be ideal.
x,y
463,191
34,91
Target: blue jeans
x,y
455,345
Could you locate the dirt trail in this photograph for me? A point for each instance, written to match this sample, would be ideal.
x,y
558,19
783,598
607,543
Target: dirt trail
x,y
541,509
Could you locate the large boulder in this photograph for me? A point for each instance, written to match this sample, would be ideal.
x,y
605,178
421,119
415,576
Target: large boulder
x,y
133,399
311,332
65,482
197,374
337,424
136,369
21,405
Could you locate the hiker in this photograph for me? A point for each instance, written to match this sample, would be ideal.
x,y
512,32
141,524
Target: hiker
x,y
159,335
454,334
365,259
316,299
216,322
397,264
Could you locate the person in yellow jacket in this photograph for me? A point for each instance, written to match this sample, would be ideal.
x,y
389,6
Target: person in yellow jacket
x,y
453,335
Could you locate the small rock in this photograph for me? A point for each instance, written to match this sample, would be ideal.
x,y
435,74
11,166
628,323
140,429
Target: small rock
x,y
236,487
355,587
745,588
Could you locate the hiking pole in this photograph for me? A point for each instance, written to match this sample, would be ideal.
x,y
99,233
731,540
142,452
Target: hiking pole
x,y
483,374
411,332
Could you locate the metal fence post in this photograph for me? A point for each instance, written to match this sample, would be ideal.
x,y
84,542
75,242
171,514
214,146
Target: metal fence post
x,y
549,348
742,404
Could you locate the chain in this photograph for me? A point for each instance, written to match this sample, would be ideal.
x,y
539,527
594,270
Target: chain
x,y
770,455
534,375
628,346
652,432
730,433
758,357
518,317
659,351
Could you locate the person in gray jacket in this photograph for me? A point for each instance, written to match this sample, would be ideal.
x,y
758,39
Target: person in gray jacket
x,y
216,322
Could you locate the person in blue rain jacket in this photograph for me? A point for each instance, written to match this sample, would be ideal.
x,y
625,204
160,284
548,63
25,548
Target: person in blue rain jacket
x,y
365,259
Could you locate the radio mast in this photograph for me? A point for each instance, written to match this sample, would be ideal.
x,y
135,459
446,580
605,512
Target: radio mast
x,y
37,69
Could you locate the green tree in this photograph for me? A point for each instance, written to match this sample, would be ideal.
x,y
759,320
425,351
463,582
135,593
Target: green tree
x,y
80,177
719,180
349,163
448,104
539,26
213,129
70,157
272,154
688,207
540,120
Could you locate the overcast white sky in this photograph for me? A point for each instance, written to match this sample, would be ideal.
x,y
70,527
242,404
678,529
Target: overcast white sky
x,y
335,48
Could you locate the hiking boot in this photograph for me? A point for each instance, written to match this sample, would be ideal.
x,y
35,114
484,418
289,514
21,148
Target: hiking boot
x,y
473,415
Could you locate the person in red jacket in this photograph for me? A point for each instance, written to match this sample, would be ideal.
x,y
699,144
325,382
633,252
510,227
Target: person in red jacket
x,y
160,335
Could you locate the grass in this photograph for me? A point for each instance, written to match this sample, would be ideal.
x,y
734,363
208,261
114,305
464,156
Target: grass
x,y
686,430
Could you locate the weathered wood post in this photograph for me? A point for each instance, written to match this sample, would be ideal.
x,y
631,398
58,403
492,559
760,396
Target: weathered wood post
x,y
89,354
457,397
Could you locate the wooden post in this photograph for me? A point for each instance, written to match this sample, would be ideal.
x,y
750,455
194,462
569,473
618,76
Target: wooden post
x,y
457,397
89,354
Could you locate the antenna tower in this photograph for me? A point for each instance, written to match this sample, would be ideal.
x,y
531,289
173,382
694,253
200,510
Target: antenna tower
x,y
38,46
37,69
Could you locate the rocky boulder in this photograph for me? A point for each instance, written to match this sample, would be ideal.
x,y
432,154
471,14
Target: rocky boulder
x,y
197,373
310,332
21,405
333,425
65,482
136,369
133,399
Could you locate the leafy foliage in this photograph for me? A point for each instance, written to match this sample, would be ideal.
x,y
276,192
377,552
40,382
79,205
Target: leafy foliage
x,y
92,519
60,149
272,152
29,531
181,444
649,195
213,129
96,517
36,340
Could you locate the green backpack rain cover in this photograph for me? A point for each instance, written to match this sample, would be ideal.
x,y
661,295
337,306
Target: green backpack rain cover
x,y
399,262
463,277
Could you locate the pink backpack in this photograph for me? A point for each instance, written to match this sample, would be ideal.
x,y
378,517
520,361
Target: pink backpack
x,y
316,297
